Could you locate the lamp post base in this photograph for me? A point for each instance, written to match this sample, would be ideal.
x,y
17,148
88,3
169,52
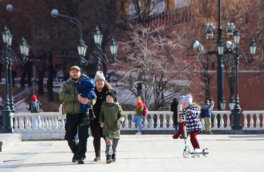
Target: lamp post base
x,y
6,122
236,123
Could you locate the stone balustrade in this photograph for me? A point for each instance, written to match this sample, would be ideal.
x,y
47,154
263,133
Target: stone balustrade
x,y
50,125
253,120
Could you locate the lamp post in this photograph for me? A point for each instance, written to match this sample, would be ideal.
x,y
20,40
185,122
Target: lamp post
x,y
209,31
6,35
236,107
82,47
232,48
9,100
10,9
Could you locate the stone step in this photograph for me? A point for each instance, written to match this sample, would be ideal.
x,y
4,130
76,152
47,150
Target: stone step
x,y
8,141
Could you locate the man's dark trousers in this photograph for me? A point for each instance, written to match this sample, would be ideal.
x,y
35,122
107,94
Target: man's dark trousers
x,y
72,125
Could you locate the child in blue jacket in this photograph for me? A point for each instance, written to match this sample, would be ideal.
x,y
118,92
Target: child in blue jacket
x,y
86,87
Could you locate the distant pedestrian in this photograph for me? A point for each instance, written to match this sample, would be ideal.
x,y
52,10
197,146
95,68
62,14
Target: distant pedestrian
x,y
180,123
111,119
138,118
34,107
71,106
207,114
175,110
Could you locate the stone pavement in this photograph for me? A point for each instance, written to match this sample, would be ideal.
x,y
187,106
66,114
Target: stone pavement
x,y
228,153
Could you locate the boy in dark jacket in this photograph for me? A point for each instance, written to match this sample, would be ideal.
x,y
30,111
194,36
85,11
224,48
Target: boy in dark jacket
x,y
111,119
86,87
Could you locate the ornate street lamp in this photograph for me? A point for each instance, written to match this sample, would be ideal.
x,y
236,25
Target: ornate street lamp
x,y
98,53
223,105
197,45
209,30
7,39
5,35
231,104
237,37
221,48
82,47
10,8
98,37
231,47
113,48
237,109
24,49
253,47
230,28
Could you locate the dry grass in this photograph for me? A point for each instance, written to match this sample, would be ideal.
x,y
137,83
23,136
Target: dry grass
x,y
3,90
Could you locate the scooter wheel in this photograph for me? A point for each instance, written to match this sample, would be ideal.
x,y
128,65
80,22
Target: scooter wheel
x,y
205,152
185,153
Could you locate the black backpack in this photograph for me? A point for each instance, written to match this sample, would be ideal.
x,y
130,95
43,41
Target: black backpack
x,y
34,106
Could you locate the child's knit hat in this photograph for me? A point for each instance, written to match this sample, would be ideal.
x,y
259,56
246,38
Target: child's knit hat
x,y
187,99
111,93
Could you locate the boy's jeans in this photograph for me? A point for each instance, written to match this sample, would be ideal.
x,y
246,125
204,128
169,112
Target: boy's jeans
x,y
138,121
111,148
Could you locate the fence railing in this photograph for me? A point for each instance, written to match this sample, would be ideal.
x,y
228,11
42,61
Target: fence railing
x,y
51,125
253,120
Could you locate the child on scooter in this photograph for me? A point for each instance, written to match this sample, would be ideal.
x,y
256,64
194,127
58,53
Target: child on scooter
x,y
193,123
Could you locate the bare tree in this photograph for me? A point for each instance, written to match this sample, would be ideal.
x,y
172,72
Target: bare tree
x,y
154,69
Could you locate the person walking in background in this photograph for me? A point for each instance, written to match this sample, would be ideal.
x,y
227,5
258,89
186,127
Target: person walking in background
x,y
193,123
207,114
139,115
111,119
72,107
101,87
34,107
180,123
175,110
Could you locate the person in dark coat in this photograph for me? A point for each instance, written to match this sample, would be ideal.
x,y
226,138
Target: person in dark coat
x,y
174,109
34,104
101,87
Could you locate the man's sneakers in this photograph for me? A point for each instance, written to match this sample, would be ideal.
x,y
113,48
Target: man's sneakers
x,y
74,159
139,133
81,161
